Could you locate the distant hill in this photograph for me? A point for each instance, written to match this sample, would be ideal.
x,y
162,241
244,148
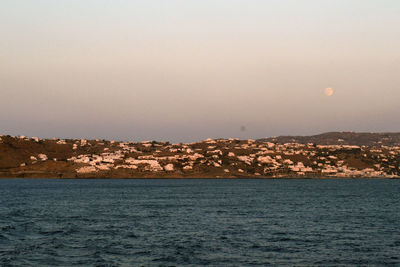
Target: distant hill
x,y
341,138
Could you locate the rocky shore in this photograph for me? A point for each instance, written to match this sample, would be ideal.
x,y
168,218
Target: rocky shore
x,y
220,158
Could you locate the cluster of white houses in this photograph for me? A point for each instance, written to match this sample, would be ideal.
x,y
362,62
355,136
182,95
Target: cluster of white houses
x,y
230,157
245,157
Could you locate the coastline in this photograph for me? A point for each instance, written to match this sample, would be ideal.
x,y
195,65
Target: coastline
x,y
188,177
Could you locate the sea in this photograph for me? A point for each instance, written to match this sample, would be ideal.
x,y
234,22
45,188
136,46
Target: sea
x,y
200,222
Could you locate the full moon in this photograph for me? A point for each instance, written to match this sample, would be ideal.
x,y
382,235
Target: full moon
x,y
328,91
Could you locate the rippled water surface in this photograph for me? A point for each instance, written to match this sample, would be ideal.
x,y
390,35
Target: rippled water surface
x,y
199,222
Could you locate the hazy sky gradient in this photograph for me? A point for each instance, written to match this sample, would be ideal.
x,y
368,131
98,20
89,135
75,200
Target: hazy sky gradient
x,y
187,70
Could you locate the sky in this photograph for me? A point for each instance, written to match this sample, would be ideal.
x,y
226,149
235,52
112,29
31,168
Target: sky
x,y
188,70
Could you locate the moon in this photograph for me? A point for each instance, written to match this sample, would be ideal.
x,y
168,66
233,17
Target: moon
x,y
329,91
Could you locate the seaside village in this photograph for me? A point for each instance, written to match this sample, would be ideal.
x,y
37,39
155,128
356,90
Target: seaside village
x,y
208,158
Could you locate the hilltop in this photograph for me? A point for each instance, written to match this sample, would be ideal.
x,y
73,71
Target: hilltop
x,y
341,138
325,155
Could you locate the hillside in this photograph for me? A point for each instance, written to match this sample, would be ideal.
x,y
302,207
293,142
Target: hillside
x,y
326,155
341,138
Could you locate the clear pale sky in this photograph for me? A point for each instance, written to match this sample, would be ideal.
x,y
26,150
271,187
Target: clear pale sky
x,y
188,70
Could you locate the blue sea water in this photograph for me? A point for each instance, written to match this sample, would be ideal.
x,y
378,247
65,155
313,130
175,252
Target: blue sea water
x,y
185,222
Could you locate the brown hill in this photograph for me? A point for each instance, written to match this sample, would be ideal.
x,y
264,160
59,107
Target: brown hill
x,y
330,155
341,138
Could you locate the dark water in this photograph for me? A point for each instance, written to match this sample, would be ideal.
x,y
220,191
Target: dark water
x,y
199,222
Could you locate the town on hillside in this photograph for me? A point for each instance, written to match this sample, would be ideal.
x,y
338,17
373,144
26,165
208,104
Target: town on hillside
x,y
212,158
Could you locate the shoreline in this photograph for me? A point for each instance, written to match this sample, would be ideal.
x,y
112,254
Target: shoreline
x,y
205,178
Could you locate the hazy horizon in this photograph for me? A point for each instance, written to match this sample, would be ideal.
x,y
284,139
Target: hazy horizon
x,y
183,71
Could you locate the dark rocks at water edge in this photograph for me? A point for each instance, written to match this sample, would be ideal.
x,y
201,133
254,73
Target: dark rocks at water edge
x,y
351,155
